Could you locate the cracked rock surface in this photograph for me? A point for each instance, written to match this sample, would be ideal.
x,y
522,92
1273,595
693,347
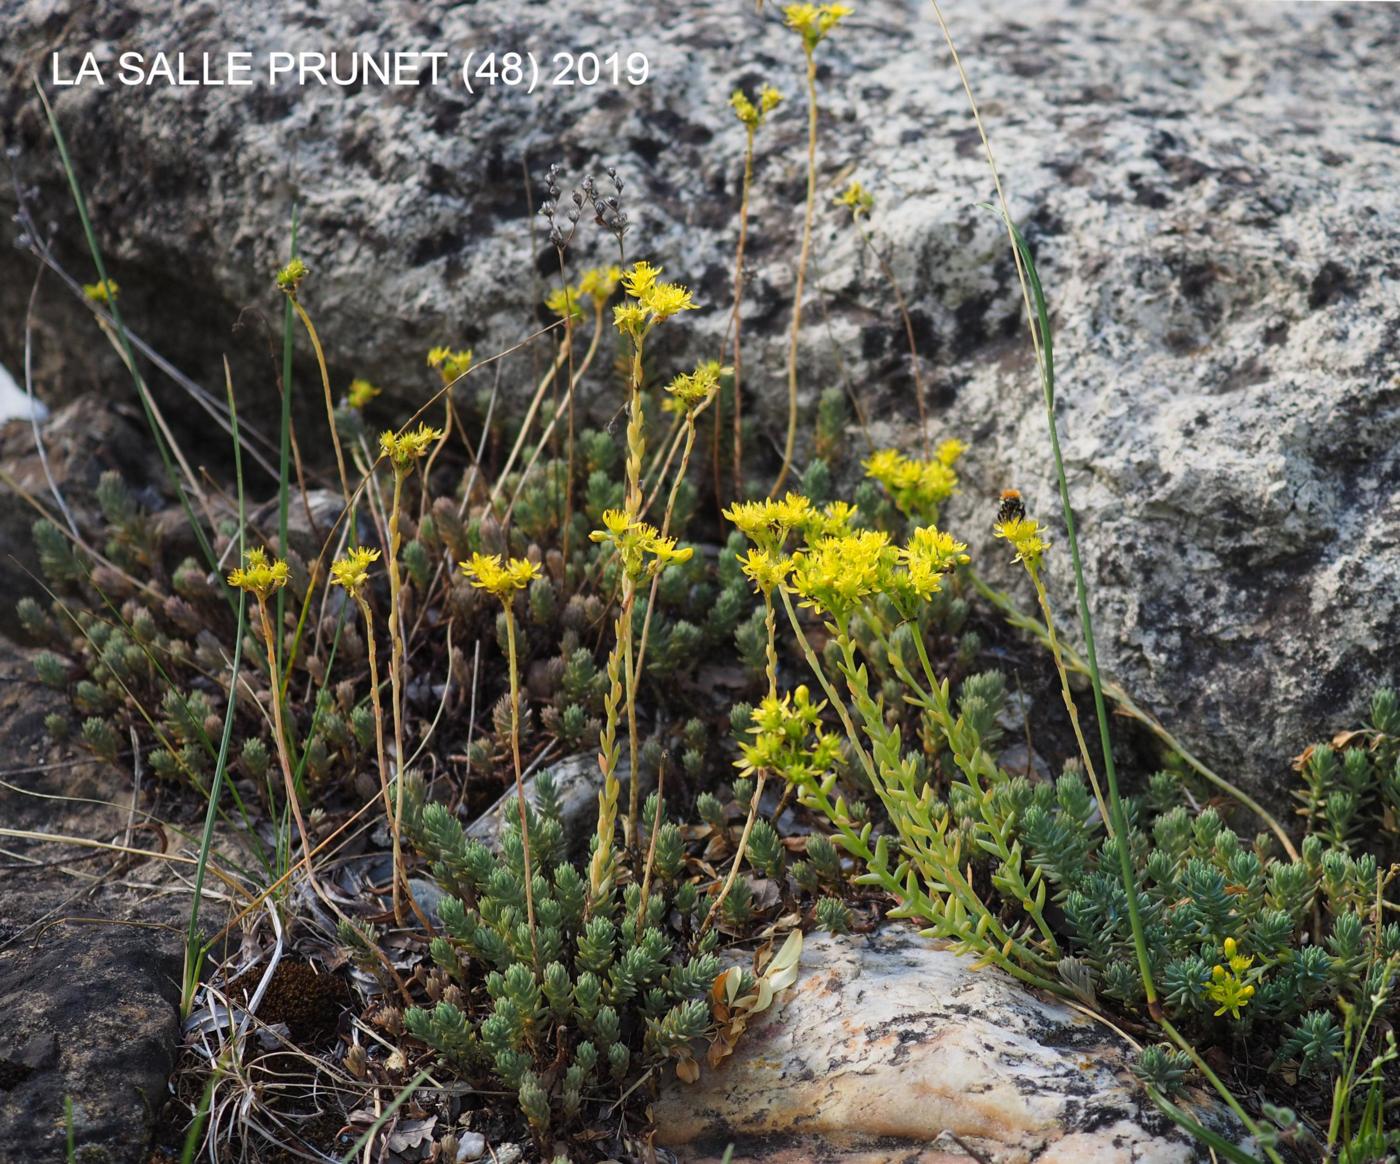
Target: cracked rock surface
x,y
889,1048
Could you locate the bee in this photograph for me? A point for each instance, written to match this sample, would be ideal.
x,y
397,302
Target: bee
x,y
1010,508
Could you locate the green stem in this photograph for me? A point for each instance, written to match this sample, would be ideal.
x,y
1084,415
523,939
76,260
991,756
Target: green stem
x,y
1070,707
395,692
129,356
520,778
284,457
1115,692
790,443
736,323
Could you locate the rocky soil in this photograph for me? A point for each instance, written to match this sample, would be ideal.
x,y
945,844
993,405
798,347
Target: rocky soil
x,y
90,947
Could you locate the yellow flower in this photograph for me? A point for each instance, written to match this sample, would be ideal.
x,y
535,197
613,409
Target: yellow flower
x,y
289,277
640,279
487,572
692,389
930,554
361,393
257,575
352,571
1238,962
832,520
630,319
765,569
768,523
814,21
656,302
101,292
1228,987
918,488
835,575
789,740
857,199
636,542
406,447
564,302
949,451
1024,535
667,299
449,364
752,113
600,283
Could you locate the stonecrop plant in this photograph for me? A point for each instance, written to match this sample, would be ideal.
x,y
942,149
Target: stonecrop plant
x,y
790,684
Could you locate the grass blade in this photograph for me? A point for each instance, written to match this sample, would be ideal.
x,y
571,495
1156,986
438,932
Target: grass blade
x,y
130,356
194,951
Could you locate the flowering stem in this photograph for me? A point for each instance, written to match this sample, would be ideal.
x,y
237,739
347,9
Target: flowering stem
x,y
378,707
279,731
665,530
559,411
650,864
832,695
395,693
330,403
601,873
519,776
568,517
636,446
739,853
1068,698
770,625
529,420
790,443
735,323
1126,706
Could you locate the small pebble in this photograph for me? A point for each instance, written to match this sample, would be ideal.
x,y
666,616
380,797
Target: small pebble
x,y
470,1146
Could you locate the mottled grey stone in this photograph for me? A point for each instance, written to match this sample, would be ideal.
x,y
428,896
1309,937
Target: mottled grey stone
x,y
889,1047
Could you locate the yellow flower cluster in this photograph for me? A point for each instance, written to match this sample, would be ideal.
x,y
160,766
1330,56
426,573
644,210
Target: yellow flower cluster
x,y
597,284
257,575
642,549
289,277
1024,535
487,572
839,568
766,569
857,199
449,364
1227,986
836,574
406,447
789,740
352,571
917,487
769,522
361,393
101,292
930,554
655,302
690,390
753,112
814,21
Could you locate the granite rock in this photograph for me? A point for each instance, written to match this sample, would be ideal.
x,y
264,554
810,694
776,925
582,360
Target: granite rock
x,y
1206,188
890,1048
